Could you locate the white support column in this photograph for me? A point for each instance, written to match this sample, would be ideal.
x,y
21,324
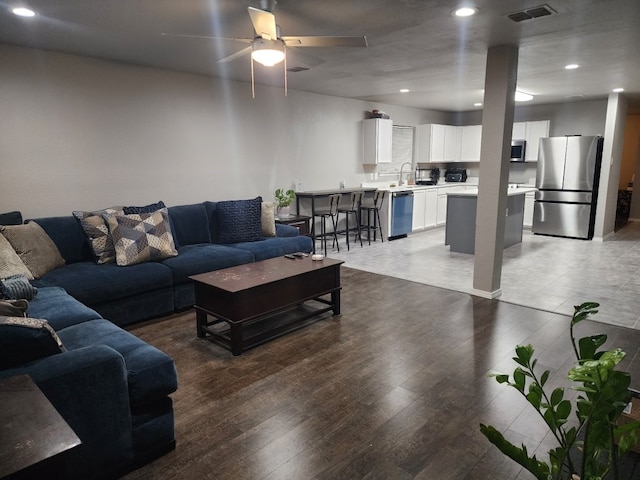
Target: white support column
x,y
497,124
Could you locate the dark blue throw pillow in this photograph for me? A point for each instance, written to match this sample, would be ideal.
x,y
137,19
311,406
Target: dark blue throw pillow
x,y
23,340
240,220
11,218
146,209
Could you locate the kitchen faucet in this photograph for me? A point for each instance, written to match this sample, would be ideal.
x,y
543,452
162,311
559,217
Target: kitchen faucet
x,y
401,170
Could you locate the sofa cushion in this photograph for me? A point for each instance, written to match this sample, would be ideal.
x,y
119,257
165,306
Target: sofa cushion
x,y
59,308
34,247
93,284
98,234
276,247
151,374
190,224
10,262
24,339
141,237
152,207
268,219
11,218
66,232
240,221
194,259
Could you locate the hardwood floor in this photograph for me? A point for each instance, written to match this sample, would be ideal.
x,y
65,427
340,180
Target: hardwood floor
x,y
393,389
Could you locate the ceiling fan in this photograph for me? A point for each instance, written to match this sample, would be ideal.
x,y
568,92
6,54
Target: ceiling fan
x,y
269,48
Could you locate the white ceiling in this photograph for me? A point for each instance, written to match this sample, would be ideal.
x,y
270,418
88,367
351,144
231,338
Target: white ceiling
x,y
414,44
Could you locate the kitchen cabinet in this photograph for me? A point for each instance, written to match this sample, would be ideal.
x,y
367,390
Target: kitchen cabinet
x,y
441,206
470,143
519,131
376,137
419,209
529,200
437,143
431,208
534,132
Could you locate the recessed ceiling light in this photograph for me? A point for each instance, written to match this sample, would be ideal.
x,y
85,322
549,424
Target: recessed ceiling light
x,y
571,66
618,90
477,104
23,12
523,97
465,11
404,90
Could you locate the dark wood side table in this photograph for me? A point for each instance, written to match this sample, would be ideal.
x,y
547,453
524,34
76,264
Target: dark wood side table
x,y
33,435
301,222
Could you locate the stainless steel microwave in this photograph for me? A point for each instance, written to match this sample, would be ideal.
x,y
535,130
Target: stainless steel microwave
x,y
518,150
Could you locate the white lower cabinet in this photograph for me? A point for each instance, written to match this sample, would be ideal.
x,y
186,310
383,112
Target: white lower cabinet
x,y
441,210
431,208
419,209
425,209
529,199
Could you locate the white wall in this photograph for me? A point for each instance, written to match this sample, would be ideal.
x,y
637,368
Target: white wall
x,y
80,133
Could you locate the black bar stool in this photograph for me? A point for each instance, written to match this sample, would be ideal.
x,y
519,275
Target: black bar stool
x,y
323,214
352,209
373,210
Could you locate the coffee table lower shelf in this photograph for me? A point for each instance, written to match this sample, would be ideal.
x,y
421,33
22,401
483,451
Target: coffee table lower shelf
x,y
238,336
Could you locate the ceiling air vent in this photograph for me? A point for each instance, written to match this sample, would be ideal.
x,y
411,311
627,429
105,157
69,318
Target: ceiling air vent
x,y
533,12
297,69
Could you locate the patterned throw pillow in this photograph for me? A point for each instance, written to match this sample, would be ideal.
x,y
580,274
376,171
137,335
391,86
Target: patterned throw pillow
x,y
23,340
10,263
240,220
268,219
141,237
34,247
98,234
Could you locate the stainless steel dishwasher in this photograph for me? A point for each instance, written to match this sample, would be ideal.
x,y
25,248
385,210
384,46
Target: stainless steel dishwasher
x,y
401,214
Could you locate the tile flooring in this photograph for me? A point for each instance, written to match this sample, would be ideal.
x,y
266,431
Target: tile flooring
x,y
546,273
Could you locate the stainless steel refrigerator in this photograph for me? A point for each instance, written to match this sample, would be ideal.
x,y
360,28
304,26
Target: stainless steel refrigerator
x,y
567,182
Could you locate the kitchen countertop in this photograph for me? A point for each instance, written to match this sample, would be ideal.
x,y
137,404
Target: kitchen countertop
x,y
405,188
518,190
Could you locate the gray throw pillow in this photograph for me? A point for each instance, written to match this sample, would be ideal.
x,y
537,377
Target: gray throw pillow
x,y
34,247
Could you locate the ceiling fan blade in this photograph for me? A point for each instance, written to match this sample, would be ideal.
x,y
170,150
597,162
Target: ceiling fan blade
x,y
325,41
238,54
206,37
264,23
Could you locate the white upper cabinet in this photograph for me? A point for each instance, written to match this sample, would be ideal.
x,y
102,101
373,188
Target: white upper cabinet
x,y
437,143
377,134
519,131
535,131
470,144
448,143
452,139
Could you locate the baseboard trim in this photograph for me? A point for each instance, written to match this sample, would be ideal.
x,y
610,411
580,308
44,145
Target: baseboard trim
x,y
485,294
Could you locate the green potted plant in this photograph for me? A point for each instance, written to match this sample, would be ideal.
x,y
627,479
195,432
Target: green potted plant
x,y
283,201
589,447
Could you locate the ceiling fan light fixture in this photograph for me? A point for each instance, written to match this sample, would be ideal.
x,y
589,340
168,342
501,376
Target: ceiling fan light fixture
x,y
268,52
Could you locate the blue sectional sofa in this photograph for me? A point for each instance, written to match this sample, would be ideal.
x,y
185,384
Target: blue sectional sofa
x,y
111,387
130,294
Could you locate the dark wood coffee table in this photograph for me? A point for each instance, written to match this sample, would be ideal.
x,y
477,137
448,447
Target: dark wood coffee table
x,y
260,301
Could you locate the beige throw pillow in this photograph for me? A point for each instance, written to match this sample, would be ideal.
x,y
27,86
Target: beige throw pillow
x,y
268,219
34,247
10,263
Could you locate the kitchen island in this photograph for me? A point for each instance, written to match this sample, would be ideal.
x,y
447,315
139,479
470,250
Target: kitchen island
x,y
460,233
